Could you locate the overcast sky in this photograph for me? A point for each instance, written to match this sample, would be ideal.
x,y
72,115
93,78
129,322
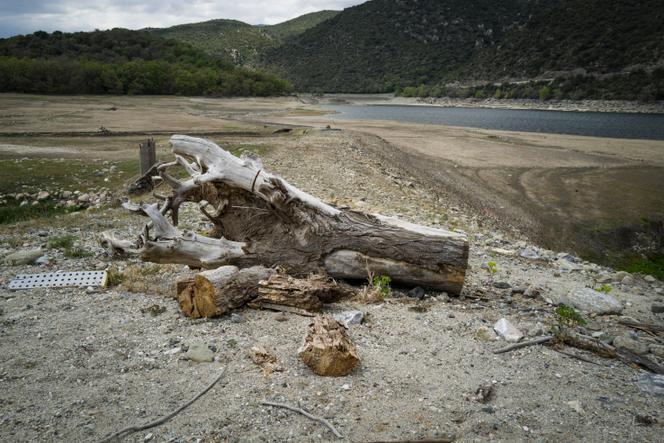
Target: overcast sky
x,y
28,16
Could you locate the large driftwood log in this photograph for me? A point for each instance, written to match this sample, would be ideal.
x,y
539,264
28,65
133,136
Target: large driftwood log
x,y
261,219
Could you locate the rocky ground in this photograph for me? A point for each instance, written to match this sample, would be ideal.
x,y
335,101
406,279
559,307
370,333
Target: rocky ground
x,y
78,364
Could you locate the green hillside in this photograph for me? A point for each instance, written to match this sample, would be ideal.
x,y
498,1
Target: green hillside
x,y
239,42
120,61
232,40
115,45
599,36
381,44
298,25
593,48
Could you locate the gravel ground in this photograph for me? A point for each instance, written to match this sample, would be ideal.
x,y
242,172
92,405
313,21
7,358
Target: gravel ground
x,y
76,365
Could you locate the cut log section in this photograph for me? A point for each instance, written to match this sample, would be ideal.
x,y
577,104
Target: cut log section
x,y
327,350
216,292
261,220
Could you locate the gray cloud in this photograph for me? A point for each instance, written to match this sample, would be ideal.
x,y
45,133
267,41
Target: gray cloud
x,y
27,16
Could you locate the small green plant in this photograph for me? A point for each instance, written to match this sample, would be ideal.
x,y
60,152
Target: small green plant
x,y
382,284
567,316
115,277
491,267
604,288
76,252
14,213
232,343
67,243
62,242
653,265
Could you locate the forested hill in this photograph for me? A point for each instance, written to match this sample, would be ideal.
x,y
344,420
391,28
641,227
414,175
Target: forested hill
x,y
239,42
115,45
600,36
121,61
383,43
600,46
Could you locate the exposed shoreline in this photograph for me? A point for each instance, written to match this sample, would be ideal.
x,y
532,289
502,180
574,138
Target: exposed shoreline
x,y
609,106
591,195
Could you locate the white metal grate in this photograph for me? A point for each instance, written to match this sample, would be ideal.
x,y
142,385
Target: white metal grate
x,y
59,279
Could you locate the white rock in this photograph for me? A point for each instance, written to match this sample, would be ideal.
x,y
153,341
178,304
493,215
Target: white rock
x,y
618,276
627,342
651,383
43,260
576,405
25,257
173,351
628,280
604,279
349,318
591,301
650,279
507,330
502,251
567,265
530,253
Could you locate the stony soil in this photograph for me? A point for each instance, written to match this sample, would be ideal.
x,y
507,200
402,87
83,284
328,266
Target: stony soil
x,y
78,364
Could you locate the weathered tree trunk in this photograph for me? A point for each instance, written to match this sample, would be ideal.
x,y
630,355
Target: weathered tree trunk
x,y
260,219
303,293
147,156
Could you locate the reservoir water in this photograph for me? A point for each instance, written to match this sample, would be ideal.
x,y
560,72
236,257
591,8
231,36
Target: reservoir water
x,y
596,124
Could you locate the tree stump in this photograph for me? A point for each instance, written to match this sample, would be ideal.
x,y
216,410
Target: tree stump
x,y
327,350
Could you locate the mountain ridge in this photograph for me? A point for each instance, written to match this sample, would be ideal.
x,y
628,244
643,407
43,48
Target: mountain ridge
x,y
575,48
237,41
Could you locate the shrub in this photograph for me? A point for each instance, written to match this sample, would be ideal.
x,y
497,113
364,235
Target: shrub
x,y
382,284
604,288
544,93
567,316
63,242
